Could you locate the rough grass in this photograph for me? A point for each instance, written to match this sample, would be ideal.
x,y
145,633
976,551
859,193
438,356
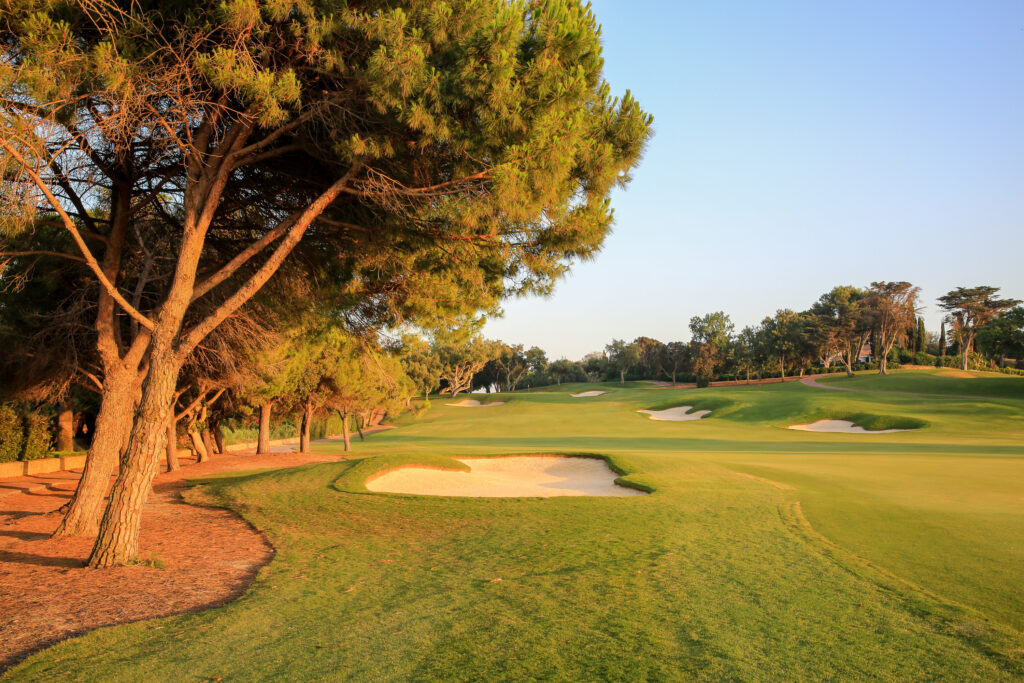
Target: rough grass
x,y
762,553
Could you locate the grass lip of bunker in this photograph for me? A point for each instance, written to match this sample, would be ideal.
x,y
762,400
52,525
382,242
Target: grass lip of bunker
x,y
522,476
473,403
843,427
588,394
676,414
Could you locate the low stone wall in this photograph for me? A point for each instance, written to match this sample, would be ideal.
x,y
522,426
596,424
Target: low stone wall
x,y
12,469
28,468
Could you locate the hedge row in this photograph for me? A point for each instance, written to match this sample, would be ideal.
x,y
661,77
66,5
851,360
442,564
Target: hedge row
x,y
23,436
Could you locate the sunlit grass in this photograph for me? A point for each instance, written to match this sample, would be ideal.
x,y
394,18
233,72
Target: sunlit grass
x,y
762,554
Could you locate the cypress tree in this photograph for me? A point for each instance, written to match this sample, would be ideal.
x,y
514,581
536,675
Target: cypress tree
x,y
942,339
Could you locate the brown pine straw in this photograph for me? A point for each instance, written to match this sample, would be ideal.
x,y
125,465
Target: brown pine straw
x,y
210,557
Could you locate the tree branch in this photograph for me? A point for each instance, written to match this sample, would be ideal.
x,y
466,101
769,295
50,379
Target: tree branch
x,y
65,183
69,225
58,254
242,257
260,277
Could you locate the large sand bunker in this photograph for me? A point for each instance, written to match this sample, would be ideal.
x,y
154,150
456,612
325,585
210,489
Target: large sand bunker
x,y
678,414
541,476
473,403
588,394
841,427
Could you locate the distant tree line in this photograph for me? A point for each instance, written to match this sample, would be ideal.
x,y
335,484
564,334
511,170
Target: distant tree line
x,y
848,328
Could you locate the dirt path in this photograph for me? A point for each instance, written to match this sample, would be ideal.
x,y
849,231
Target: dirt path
x,y
811,382
210,557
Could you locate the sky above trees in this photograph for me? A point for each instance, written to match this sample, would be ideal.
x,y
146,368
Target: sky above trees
x,y
799,146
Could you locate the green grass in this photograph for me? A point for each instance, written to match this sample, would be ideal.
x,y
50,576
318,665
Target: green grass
x,y
762,554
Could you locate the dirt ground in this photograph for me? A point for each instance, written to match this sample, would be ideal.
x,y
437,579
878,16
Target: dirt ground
x,y
209,557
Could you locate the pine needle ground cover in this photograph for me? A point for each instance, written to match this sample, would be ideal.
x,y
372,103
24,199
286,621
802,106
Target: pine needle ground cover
x,y
762,554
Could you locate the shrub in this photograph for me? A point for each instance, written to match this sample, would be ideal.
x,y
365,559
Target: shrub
x,y
12,434
37,437
922,358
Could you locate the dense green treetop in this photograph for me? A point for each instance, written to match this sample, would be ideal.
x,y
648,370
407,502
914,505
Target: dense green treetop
x,y
481,140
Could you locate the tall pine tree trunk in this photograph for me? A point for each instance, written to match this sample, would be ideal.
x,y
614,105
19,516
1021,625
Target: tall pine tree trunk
x,y
118,539
172,442
344,431
263,442
108,440
307,420
66,427
218,437
361,423
207,442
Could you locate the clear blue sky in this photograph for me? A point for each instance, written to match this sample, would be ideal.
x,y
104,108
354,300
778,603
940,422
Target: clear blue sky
x,y
800,145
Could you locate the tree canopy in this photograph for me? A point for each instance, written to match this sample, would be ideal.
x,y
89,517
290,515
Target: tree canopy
x,y
969,309
429,158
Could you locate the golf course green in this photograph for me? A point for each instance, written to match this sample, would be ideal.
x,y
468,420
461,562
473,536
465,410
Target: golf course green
x,y
762,553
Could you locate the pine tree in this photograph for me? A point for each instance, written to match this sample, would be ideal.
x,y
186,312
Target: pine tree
x,y
469,147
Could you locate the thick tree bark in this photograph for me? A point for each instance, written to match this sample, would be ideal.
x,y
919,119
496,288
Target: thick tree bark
x,y
307,420
207,443
118,539
172,443
66,427
263,442
108,440
197,445
218,438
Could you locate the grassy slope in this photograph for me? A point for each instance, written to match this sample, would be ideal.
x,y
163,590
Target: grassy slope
x,y
915,573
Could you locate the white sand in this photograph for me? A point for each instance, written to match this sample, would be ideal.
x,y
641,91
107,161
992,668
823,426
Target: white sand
x,y
473,403
541,476
841,427
677,414
588,394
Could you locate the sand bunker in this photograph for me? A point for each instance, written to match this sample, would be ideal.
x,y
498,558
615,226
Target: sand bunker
x,y
588,394
677,414
841,427
473,403
542,476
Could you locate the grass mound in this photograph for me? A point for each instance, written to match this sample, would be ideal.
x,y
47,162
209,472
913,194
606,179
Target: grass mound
x,y
869,421
699,401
